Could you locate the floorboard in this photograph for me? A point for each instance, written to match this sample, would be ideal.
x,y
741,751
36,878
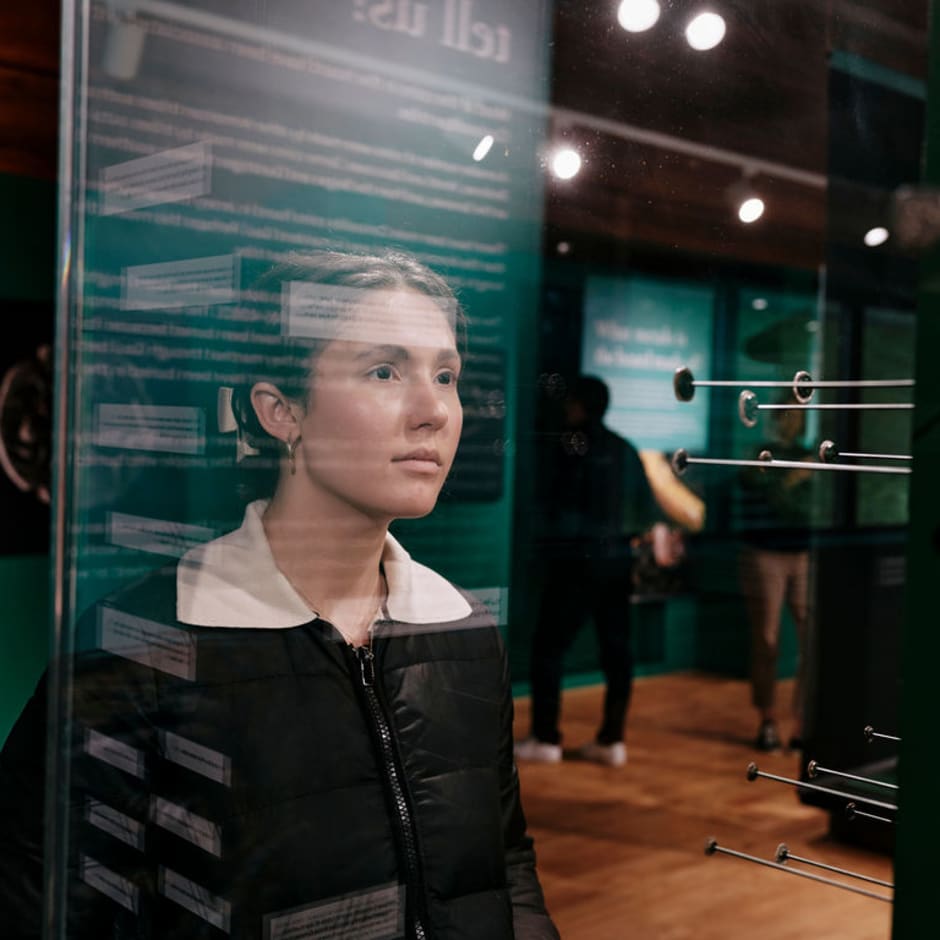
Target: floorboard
x,y
621,851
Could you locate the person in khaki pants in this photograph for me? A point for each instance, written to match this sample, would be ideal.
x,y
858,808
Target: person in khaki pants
x,y
774,569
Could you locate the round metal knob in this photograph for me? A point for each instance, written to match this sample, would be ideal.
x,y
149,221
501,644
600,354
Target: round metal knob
x,y
683,384
800,391
680,461
748,408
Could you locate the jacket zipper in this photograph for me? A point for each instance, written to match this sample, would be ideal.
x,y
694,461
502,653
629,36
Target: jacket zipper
x,y
366,660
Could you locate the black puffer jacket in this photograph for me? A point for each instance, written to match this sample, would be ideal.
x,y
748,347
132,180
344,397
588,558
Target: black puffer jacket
x,y
275,783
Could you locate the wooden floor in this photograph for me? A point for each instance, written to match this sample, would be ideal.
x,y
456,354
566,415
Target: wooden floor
x,y
621,852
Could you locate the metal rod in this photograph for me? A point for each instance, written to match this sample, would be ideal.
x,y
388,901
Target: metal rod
x,y
813,768
684,384
753,773
784,855
681,459
749,406
860,383
841,406
843,453
829,452
852,813
871,734
730,383
712,846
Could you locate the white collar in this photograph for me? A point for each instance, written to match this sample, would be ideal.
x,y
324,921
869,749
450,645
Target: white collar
x,y
233,581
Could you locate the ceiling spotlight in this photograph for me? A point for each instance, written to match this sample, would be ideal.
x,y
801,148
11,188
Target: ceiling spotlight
x,y
566,163
563,248
759,303
876,236
705,31
123,46
637,16
751,209
743,197
483,147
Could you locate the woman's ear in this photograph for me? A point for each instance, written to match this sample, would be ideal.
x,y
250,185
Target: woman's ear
x,y
275,411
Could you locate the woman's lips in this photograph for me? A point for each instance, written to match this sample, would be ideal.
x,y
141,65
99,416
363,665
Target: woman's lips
x,y
420,461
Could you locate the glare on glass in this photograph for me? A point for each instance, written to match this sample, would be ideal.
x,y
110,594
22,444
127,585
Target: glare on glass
x,y
705,31
637,16
751,209
566,163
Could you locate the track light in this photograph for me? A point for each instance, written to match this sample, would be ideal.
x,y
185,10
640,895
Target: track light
x,y
637,16
745,200
565,163
705,31
751,209
123,46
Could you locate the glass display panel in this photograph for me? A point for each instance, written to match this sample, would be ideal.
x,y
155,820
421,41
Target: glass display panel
x,y
376,485
292,226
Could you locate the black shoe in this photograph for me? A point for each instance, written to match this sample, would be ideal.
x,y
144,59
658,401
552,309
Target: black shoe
x,y
767,737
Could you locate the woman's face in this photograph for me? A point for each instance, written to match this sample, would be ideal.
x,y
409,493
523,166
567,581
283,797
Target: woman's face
x,y
383,418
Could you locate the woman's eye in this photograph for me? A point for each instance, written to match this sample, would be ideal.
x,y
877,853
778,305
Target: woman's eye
x,y
447,378
383,373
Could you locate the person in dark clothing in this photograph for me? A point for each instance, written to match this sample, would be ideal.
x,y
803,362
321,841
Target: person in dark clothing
x,y
595,500
774,568
297,731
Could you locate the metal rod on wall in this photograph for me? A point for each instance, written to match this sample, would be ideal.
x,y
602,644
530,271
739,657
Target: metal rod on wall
x,y
749,407
712,847
684,384
814,769
829,452
753,772
784,855
853,812
681,460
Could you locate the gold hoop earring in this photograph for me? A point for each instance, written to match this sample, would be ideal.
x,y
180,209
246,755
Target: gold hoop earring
x,y
291,445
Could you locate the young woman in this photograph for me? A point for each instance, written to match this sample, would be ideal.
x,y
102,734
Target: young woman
x,y
299,732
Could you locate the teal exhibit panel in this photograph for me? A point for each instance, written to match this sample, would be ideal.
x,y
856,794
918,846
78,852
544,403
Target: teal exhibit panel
x,y
210,147
637,332
265,209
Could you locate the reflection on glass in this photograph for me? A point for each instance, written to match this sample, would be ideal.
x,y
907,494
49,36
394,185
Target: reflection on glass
x,y
705,31
577,182
277,721
637,16
566,163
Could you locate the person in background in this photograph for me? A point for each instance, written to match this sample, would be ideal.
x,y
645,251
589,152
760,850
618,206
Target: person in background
x,y
595,500
774,568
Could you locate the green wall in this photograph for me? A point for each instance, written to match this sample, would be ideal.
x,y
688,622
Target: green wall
x,y
24,634
27,272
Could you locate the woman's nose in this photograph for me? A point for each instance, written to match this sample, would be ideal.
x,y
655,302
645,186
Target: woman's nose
x,y
426,404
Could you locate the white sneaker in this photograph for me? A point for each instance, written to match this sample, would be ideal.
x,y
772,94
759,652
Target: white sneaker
x,y
613,755
539,752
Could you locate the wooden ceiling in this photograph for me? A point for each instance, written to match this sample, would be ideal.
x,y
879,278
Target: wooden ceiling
x,y
756,105
29,88
664,130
